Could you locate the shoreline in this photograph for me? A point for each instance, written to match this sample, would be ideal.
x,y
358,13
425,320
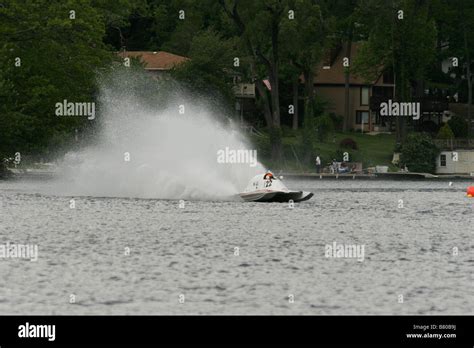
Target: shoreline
x,y
379,176
395,176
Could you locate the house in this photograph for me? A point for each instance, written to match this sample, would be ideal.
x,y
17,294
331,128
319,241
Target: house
x,y
156,62
464,163
244,93
329,83
365,97
456,156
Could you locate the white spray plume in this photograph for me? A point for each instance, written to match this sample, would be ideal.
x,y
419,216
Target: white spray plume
x,y
172,155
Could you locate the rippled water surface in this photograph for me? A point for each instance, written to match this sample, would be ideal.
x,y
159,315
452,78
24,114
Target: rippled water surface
x,y
191,251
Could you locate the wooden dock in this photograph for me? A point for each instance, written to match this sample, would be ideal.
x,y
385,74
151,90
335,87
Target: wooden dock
x,y
378,176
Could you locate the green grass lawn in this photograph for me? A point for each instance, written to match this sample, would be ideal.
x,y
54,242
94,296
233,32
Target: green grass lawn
x,y
372,150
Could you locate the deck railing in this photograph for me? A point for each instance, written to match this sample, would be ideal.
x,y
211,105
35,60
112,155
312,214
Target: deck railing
x,y
427,105
451,144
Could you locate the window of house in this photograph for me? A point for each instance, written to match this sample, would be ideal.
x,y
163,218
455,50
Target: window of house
x,y
364,96
362,116
442,160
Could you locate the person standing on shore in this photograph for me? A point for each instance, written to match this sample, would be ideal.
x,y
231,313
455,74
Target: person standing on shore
x,y
318,164
334,167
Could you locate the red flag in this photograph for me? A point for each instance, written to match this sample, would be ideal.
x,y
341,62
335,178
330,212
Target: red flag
x,y
267,83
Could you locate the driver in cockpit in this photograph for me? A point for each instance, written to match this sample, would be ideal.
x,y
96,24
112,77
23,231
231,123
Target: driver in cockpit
x,y
268,176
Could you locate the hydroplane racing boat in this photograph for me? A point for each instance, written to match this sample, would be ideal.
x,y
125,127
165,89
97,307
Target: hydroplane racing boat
x,y
267,188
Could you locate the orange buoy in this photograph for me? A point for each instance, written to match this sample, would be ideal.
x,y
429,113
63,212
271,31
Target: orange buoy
x,y
470,191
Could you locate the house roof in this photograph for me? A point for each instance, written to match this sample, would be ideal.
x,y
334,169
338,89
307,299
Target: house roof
x,y
335,74
160,60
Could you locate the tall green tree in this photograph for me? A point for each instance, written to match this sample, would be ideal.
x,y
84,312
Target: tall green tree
x,y
304,40
49,51
209,70
401,35
346,14
259,25
458,20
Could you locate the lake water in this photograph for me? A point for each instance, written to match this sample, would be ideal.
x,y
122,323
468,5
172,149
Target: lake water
x,y
145,256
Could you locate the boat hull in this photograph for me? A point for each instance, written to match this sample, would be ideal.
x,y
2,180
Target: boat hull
x,y
276,196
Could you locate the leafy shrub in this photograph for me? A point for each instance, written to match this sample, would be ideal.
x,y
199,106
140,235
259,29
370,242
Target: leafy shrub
x,y
348,143
324,126
445,132
419,153
459,126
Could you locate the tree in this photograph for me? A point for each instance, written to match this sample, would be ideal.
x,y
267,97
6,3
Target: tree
x,y
466,14
258,23
459,126
304,38
115,15
47,54
445,132
209,71
324,126
400,36
458,20
346,14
